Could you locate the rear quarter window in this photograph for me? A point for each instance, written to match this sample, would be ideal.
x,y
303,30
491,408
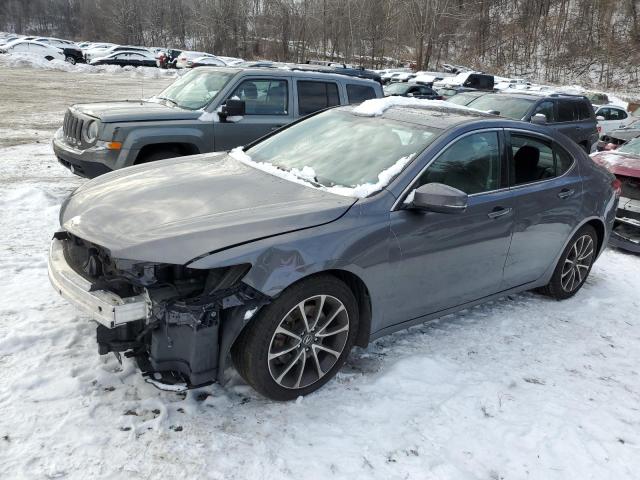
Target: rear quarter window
x,y
585,110
359,93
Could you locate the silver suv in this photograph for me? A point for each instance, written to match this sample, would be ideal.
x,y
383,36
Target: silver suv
x,y
208,109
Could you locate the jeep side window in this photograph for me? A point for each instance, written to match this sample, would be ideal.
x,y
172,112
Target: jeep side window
x,y
546,109
314,96
263,97
359,93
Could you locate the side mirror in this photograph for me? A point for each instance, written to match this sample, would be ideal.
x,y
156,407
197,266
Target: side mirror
x,y
539,119
437,197
600,118
232,108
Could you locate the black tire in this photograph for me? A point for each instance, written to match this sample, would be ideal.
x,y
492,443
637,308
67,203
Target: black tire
x,y
158,155
70,59
558,287
250,353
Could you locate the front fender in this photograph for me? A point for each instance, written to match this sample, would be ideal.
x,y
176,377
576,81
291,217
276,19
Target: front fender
x,y
142,136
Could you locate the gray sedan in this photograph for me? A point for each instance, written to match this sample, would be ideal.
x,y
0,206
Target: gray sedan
x,y
351,224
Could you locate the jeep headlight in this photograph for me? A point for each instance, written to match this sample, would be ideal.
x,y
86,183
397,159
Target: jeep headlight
x,y
90,133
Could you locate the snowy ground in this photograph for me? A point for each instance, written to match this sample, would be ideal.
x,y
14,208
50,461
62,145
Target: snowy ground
x,y
522,388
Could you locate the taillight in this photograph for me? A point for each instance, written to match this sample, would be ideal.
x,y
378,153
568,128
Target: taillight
x,y
617,187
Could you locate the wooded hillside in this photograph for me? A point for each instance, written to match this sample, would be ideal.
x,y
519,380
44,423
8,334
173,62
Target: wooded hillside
x,y
590,41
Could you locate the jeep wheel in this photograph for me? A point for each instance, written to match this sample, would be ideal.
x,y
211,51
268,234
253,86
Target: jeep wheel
x,y
70,59
299,342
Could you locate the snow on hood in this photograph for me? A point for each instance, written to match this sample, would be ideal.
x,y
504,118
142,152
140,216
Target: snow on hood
x,y
306,175
377,106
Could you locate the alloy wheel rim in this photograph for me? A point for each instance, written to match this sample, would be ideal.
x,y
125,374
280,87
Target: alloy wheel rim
x,y
308,341
577,264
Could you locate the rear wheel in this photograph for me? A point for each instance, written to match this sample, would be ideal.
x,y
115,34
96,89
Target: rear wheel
x,y
574,265
70,59
300,341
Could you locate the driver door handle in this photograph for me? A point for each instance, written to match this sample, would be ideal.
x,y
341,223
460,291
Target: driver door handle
x,y
499,212
566,193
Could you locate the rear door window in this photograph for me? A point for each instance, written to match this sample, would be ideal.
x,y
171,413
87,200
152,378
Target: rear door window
x,y
359,93
566,111
533,159
314,96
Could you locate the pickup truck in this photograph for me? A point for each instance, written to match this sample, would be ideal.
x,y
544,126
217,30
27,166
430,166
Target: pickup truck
x,y
208,109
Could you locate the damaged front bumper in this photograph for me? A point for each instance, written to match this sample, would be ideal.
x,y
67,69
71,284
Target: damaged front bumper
x,y
179,341
103,306
626,229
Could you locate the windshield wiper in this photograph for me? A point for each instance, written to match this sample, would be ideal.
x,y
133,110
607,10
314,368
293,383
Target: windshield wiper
x,y
169,100
313,181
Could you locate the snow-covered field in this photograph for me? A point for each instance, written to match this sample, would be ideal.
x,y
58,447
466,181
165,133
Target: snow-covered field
x,y
521,388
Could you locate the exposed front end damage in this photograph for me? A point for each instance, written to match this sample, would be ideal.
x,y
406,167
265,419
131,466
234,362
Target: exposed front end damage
x,y
178,323
626,230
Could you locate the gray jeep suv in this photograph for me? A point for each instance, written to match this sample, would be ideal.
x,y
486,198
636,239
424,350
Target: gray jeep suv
x,y
208,109
572,115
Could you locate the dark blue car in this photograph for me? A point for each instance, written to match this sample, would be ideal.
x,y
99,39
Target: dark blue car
x,y
348,225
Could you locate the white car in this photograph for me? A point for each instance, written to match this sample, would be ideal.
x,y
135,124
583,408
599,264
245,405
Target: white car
x,y
208,60
612,117
100,53
96,50
33,48
186,56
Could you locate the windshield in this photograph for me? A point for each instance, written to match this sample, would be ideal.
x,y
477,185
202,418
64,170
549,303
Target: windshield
x,y
507,106
196,89
632,147
396,89
342,148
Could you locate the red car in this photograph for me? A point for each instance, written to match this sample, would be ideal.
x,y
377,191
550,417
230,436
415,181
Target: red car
x,y
624,163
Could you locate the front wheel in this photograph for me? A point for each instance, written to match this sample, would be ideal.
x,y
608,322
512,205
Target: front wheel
x,y
70,60
300,341
574,265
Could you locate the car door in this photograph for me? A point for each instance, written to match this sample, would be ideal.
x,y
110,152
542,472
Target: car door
x,y
546,187
267,107
444,260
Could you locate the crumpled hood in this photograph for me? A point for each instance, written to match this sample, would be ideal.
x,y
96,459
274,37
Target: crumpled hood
x,y
619,163
174,210
135,111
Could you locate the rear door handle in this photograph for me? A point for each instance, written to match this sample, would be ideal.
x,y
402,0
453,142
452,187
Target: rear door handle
x,y
566,193
499,212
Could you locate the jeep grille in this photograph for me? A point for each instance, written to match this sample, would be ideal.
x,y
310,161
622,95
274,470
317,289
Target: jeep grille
x,y
72,128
